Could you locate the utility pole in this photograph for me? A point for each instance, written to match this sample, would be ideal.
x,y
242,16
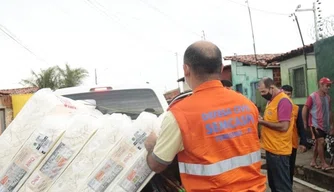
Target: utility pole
x,y
95,77
177,71
301,35
251,22
203,35
302,39
316,10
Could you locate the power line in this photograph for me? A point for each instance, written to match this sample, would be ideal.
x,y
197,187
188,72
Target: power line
x,y
92,5
14,38
166,15
259,10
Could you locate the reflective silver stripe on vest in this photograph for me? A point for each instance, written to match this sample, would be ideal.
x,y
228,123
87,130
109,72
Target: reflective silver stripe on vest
x,y
221,166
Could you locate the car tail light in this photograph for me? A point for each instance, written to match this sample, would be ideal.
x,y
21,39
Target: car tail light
x,y
100,89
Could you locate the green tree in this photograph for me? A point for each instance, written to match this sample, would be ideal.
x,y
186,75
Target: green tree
x,y
56,77
71,77
47,78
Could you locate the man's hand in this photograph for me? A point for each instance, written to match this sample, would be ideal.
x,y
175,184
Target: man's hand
x,y
260,120
302,149
150,142
331,132
306,126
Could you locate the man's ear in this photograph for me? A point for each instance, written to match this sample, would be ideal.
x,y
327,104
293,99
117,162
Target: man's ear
x,y
186,70
221,71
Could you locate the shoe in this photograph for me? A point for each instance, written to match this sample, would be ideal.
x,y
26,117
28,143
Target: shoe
x,y
327,168
315,166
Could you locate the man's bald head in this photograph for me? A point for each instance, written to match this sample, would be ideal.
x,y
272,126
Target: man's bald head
x,y
204,58
267,82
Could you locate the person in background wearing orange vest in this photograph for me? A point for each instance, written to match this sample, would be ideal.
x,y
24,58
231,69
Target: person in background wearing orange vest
x,y
298,130
213,132
276,135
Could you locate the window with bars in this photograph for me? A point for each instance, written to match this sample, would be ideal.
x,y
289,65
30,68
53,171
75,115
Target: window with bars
x,y
299,82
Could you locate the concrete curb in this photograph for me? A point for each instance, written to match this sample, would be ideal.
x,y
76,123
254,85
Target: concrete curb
x,y
310,175
309,185
306,184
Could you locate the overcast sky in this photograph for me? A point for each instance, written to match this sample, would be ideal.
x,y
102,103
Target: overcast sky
x,y
136,40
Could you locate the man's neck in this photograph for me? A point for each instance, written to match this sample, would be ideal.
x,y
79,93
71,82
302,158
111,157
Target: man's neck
x,y
200,82
321,93
276,91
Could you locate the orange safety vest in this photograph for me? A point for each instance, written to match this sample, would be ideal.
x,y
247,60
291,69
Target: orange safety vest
x,y
220,138
276,142
295,131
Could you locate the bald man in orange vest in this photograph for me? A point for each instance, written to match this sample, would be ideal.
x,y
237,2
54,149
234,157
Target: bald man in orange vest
x,y
213,132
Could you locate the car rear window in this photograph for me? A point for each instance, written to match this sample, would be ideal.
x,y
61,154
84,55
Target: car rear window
x,y
131,102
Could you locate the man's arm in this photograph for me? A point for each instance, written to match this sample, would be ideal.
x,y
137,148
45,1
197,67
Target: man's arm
x,y
304,114
330,115
300,128
331,132
284,112
280,126
168,144
307,106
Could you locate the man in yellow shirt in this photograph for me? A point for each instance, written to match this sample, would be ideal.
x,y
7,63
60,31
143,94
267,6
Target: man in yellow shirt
x,y
276,135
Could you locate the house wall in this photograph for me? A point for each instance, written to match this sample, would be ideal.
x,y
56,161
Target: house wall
x,y
171,94
277,76
9,116
324,50
246,75
310,74
18,102
6,105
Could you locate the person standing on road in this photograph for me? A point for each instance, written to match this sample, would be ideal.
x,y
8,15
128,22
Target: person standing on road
x,y
298,130
213,132
276,135
317,111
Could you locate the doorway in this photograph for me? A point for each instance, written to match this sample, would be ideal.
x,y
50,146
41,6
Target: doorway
x,y
2,120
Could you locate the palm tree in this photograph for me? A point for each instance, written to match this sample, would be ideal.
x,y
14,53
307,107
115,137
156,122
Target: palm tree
x,y
47,78
71,77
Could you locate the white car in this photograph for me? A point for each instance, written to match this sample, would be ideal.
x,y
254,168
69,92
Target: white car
x,y
126,99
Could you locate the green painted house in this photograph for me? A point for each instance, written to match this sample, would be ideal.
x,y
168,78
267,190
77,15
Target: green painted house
x,y
298,72
248,70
